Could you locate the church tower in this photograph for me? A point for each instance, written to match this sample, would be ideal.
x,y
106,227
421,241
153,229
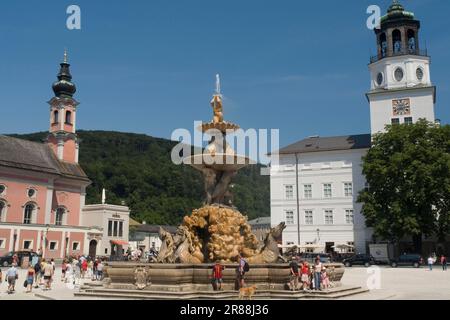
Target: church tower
x,y
401,87
63,107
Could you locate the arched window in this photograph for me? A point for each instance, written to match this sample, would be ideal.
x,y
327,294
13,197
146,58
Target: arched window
x,y
28,214
383,45
59,217
68,117
397,41
55,116
411,41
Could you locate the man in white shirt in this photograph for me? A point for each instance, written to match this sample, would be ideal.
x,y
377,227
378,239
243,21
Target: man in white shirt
x,y
430,262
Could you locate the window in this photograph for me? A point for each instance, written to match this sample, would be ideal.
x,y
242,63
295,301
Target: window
x,y
106,250
306,166
408,120
307,188
27,244
347,164
2,243
53,245
309,249
349,216
110,228
153,245
115,228
120,228
59,216
2,189
289,167
348,189
351,249
31,193
289,189
75,246
399,74
68,117
327,193
329,217
28,215
326,165
395,121
289,217
397,41
309,217
56,116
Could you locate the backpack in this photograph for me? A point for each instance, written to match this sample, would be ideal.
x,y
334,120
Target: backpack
x,y
246,267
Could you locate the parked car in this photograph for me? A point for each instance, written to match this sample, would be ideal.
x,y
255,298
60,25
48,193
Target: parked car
x,y
359,259
311,257
412,259
7,259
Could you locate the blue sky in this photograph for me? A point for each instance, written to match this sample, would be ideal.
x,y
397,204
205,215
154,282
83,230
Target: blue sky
x,y
149,66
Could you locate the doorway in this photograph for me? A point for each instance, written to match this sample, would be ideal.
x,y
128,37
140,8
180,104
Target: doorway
x,y
93,248
329,247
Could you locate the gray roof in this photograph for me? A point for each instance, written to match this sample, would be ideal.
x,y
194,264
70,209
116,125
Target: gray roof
x,y
317,144
153,228
260,221
35,156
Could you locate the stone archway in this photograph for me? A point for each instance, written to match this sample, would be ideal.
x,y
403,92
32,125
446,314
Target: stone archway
x,y
93,248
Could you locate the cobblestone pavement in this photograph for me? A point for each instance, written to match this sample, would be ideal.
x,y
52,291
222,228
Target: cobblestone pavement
x,y
400,283
59,290
395,283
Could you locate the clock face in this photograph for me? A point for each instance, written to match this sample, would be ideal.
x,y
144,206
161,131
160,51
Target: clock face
x,y
401,107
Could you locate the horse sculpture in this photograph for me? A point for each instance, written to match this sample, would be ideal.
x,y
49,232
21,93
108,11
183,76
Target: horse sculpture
x,y
186,252
270,253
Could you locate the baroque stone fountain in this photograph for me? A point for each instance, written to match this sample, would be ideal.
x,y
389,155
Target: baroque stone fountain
x,y
215,232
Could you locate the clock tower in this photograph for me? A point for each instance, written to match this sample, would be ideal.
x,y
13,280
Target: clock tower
x,y
401,88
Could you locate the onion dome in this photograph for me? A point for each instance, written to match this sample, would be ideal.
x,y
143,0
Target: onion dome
x,y
64,87
396,12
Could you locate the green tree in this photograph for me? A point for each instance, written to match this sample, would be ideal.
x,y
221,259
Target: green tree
x,y
408,175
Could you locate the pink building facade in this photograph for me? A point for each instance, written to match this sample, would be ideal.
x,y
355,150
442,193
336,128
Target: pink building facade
x,y
43,188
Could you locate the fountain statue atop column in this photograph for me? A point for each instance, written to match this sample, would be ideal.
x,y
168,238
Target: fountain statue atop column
x,y
218,231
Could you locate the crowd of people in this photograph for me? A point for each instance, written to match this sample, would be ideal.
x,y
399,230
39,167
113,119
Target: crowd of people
x,y
41,272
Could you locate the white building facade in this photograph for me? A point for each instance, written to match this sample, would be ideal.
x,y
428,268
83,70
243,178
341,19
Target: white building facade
x,y
315,185
314,189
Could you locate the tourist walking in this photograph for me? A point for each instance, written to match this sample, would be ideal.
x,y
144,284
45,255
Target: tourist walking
x,y
30,278
84,267
100,270
444,263
430,263
94,270
317,273
90,272
63,270
37,274
12,275
294,273
48,275
217,276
